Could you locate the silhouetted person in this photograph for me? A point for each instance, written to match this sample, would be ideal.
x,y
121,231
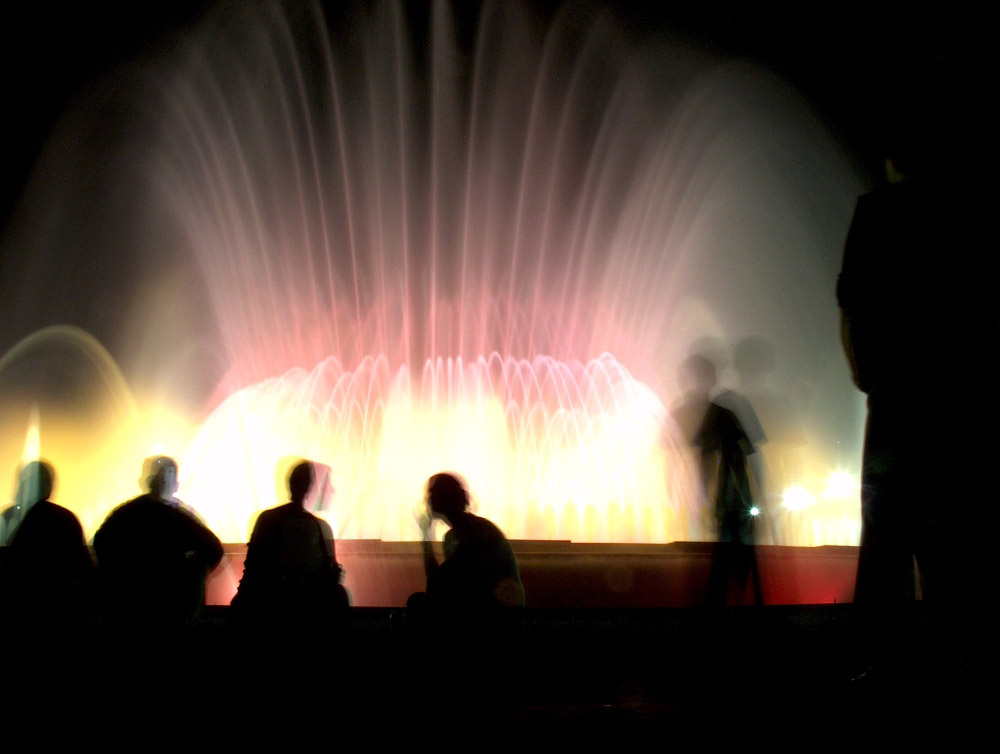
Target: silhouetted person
x,y
920,329
48,570
291,576
153,555
908,347
462,612
479,572
724,449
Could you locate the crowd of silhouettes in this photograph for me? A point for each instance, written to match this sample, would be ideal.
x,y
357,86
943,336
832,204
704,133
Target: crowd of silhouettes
x,y
153,555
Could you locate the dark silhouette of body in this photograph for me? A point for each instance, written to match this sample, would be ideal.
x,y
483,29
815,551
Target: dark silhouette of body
x,y
291,575
464,612
897,322
724,449
919,329
479,572
48,569
153,555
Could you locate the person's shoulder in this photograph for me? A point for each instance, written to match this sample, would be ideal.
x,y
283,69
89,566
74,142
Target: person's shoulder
x,y
286,510
913,199
717,414
266,517
324,526
59,513
267,520
118,523
724,413
57,521
141,501
181,509
123,510
487,529
726,420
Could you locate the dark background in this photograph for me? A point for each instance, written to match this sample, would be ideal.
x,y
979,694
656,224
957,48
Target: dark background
x,y
860,67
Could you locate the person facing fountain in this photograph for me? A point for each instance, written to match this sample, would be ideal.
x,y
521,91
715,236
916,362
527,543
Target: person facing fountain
x,y
724,449
291,575
479,572
47,567
154,555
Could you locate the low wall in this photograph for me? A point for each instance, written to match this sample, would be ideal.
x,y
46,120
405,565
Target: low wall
x,y
565,574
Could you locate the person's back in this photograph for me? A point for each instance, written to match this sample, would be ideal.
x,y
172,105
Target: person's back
x,y
287,559
914,288
49,569
153,559
480,570
721,433
297,537
290,574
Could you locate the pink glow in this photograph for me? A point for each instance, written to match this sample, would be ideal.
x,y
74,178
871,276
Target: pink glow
x,y
397,255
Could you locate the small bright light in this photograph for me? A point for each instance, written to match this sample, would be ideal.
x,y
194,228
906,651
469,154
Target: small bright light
x,y
841,484
797,498
754,511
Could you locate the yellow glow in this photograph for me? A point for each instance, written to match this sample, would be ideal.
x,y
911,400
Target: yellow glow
x,y
32,450
549,451
594,470
841,484
797,498
97,463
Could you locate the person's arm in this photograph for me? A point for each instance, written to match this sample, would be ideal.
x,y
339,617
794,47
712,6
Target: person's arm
x,y
105,541
250,579
210,548
709,467
330,549
853,273
847,340
83,566
430,559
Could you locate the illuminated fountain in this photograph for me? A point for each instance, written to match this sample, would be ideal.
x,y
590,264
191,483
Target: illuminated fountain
x,y
417,254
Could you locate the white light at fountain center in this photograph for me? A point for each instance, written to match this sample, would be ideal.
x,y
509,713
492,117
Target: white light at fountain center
x,y
549,450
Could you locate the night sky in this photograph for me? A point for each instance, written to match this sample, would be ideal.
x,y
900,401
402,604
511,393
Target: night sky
x,y
843,59
862,74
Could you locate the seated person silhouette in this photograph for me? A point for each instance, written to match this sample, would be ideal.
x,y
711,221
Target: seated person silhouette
x,y
154,555
48,569
479,572
291,576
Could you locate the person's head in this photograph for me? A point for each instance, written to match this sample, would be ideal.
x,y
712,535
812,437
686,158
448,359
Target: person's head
x,y
160,476
698,375
34,482
300,481
447,496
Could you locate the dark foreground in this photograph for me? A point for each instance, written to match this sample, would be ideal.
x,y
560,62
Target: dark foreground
x,y
772,679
